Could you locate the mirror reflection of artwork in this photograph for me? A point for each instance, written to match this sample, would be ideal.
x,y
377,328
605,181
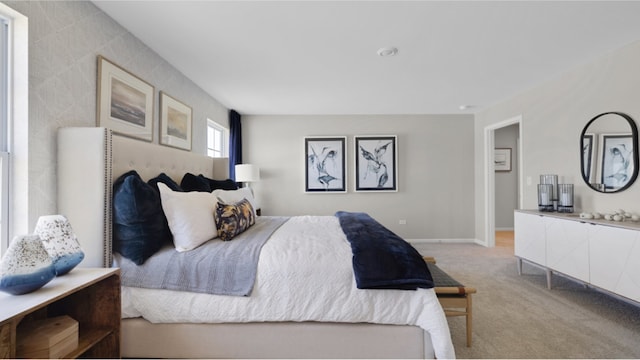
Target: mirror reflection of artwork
x,y
587,156
617,164
325,164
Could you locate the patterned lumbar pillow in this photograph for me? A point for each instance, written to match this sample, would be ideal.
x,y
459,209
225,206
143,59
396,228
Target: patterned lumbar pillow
x,y
233,219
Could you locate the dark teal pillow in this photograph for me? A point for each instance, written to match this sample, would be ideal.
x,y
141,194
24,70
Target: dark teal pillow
x,y
139,225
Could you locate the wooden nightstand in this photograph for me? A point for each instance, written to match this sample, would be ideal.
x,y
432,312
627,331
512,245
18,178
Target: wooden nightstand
x,y
91,296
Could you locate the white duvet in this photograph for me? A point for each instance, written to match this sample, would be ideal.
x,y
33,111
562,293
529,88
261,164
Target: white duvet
x,y
304,274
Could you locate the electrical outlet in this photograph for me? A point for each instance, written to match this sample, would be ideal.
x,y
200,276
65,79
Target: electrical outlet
x,y
402,222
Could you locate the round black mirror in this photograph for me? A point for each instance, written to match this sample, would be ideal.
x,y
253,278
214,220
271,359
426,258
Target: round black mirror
x,y
609,153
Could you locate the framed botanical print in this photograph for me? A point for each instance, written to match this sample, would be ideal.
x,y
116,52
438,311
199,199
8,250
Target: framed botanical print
x,y
376,163
325,167
125,102
175,122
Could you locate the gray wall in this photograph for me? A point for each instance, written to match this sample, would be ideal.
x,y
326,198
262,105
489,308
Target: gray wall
x,y
438,161
435,152
506,183
553,116
64,40
435,157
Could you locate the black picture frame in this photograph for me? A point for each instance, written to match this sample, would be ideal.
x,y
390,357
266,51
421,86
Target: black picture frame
x,y
325,164
376,163
617,166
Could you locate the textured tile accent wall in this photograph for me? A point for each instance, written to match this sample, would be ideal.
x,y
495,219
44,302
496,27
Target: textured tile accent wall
x,y
65,38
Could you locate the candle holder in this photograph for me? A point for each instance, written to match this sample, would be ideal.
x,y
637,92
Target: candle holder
x,y
553,181
565,198
545,200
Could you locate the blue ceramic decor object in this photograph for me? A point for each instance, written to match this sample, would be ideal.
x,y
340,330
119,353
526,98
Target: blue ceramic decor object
x,y
60,242
26,266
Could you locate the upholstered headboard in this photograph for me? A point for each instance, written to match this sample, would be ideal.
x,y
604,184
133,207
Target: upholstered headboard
x,y
90,159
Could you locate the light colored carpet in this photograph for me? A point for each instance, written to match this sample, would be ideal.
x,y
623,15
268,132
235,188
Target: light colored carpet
x,y
517,317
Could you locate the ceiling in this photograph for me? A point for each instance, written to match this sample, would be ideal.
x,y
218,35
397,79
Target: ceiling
x,y
320,57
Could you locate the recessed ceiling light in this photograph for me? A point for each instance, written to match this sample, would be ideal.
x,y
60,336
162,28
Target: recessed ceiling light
x,y
388,51
466,107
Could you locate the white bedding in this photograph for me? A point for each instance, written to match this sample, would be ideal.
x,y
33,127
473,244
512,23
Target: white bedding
x,y
304,274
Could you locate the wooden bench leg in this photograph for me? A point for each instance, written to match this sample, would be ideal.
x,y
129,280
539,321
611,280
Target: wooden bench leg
x,y
469,319
456,300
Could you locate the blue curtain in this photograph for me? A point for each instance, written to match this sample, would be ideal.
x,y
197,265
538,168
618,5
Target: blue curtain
x,y
235,142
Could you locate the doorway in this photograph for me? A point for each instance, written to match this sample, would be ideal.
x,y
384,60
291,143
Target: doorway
x,y
506,183
501,200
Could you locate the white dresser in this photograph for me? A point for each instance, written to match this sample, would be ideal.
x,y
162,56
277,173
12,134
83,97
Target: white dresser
x,y
600,253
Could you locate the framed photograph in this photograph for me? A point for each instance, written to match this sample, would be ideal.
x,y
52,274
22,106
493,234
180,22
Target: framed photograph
x,y
588,157
376,163
325,168
502,159
125,102
175,122
616,160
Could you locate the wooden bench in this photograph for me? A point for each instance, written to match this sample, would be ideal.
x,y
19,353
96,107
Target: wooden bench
x,y
454,297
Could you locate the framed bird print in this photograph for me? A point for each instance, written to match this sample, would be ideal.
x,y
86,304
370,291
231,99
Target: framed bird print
x,y
616,162
325,167
376,163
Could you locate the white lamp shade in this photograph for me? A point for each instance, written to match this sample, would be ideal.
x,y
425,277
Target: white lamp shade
x,y
247,173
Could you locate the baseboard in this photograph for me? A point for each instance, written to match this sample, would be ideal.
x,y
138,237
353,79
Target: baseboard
x,y
442,241
504,229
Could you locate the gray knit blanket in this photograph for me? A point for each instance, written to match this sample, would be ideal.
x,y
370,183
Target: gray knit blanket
x,y
216,267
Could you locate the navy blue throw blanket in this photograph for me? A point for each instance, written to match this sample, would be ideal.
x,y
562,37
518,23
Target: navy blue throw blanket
x,y
381,259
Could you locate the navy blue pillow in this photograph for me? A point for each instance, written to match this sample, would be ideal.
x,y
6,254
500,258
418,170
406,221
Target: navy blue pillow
x,y
191,182
227,184
165,179
139,225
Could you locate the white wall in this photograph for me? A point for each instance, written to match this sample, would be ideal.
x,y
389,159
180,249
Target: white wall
x,y
553,116
435,160
65,37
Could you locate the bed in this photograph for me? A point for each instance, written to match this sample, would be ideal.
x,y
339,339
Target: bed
x,y
326,334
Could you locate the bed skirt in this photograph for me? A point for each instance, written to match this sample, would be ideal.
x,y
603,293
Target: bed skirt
x,y
142,339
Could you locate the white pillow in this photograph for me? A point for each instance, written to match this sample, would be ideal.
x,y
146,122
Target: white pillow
x,y
233,196
190,216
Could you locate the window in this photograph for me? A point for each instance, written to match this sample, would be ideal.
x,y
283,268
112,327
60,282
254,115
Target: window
x,y
14,125
217,139
4,134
